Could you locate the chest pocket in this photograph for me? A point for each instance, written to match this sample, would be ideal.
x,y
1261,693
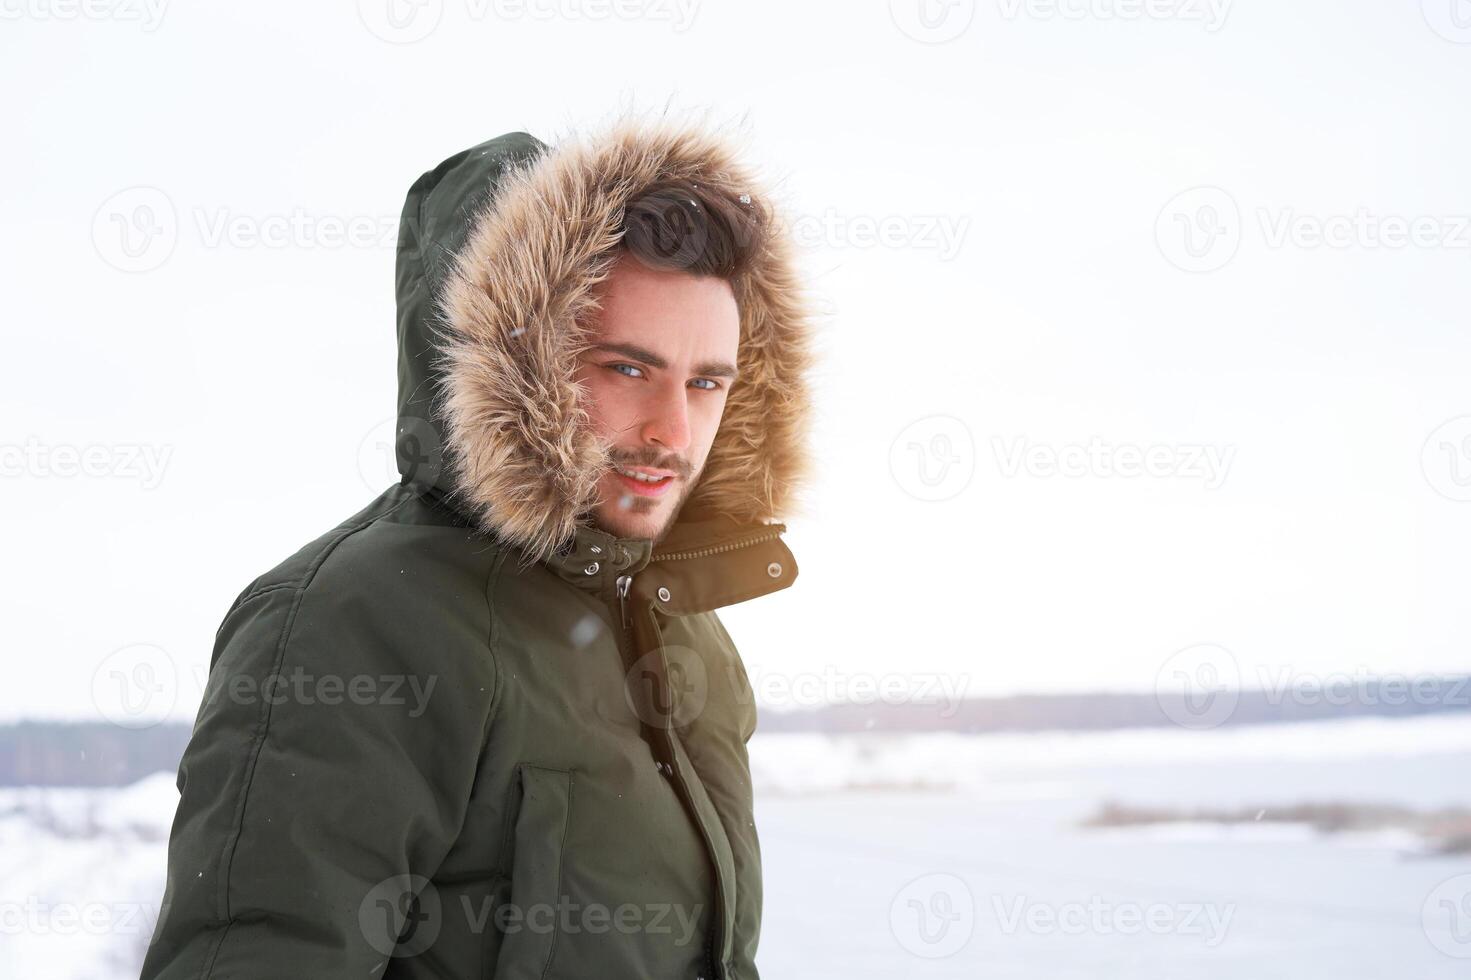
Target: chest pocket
x,y
527,928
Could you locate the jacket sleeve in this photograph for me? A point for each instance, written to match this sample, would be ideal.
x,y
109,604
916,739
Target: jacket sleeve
x,y
326,777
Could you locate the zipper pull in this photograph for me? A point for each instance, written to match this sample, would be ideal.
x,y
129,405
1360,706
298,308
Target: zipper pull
x,y
622,583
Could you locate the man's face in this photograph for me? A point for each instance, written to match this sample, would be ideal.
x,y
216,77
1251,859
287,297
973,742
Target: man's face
x,y
656,380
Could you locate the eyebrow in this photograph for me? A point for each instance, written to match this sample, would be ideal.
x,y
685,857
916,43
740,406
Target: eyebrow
x,y
714,369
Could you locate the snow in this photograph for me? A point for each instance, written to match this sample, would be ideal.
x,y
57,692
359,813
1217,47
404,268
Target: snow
x,y
850,824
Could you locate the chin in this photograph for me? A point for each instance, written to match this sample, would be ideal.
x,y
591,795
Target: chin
x,y
623,525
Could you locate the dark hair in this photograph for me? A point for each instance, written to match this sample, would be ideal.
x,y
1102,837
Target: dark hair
x,y
679,226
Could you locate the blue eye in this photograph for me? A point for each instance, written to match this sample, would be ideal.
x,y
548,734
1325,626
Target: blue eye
x,y
619,367
714,386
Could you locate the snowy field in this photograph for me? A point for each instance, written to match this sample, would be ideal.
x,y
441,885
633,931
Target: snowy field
x,y
950,856
987,874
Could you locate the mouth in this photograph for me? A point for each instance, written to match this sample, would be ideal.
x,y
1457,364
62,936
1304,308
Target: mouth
x,y
644,481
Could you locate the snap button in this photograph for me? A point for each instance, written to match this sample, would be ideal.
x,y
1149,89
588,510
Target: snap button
x,y
663,594
591,569
774,569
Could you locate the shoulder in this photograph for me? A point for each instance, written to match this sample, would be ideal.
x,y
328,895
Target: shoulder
x,y
390,589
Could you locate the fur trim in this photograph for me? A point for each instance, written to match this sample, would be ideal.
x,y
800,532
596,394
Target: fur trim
x,y
527,460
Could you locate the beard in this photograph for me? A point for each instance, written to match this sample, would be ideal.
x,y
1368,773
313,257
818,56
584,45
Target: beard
x,y
624,514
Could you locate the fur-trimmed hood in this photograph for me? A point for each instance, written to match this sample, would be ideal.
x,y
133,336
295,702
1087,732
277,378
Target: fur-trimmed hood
x,y
500,248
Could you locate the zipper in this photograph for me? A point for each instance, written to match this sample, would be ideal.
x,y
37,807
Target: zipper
x,y
716,937
720,548
622,584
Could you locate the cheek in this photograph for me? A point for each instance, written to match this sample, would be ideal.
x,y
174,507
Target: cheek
x,y
601,399
705,422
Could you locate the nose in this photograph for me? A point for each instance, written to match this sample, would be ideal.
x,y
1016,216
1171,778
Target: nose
x,y
667,422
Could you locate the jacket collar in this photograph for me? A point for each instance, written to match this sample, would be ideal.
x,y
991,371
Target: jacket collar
x,y
702,564
594,559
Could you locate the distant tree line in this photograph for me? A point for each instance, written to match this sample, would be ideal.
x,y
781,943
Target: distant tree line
x,y
47,753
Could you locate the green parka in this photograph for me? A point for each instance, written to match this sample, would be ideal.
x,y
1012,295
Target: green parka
x,y
464,733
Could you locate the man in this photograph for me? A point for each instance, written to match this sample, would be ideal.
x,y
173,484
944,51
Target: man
x,y
491,726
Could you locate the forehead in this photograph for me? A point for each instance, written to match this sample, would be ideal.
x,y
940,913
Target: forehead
x,y
675,312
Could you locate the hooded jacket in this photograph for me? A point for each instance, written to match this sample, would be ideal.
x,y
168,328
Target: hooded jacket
x,y
465,733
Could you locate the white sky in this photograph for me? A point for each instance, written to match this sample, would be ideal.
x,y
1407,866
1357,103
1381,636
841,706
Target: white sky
x,y
1049,143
